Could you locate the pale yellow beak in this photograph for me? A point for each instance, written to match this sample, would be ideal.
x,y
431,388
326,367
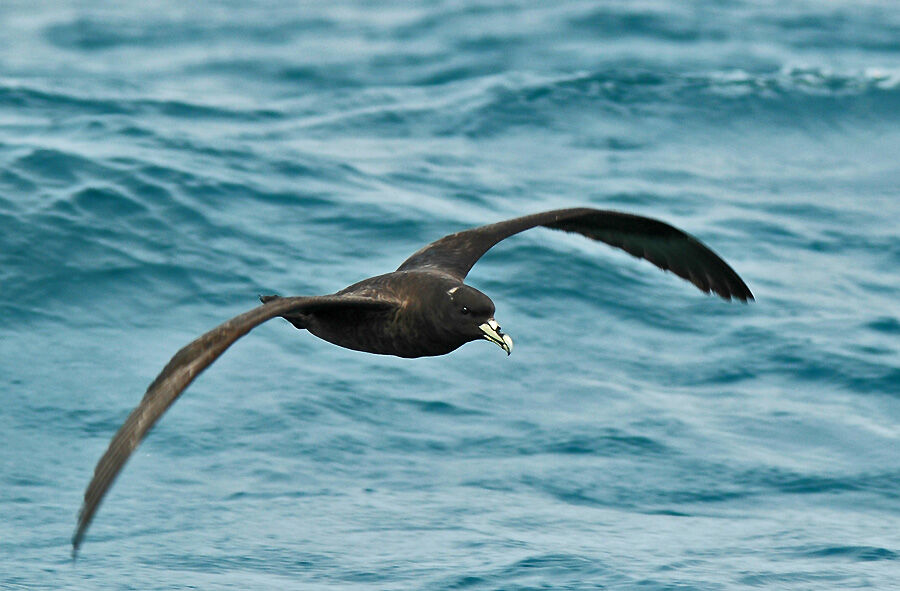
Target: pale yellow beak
x,y
492,333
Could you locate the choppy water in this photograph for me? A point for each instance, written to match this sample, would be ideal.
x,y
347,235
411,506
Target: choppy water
x,y
160,167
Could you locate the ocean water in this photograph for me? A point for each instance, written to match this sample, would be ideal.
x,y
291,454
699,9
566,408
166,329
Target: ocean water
x,y
163,164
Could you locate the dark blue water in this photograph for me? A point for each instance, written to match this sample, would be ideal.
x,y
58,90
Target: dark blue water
x,y
161,166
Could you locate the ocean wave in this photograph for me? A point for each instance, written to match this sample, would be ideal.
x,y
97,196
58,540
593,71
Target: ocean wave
x,y
487,106
18,95
92,34
855,553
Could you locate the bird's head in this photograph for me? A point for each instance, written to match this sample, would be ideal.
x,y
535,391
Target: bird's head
x,y
471,315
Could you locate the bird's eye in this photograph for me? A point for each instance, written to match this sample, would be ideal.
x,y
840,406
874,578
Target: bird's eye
x,y
464,310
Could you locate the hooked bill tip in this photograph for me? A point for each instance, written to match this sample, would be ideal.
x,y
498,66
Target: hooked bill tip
x,y
507,340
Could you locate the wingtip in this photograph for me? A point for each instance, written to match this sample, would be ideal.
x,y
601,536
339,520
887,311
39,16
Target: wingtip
x,y
744,297
78,535
76,544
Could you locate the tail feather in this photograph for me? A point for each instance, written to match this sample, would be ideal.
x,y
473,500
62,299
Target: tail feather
x,y
298,320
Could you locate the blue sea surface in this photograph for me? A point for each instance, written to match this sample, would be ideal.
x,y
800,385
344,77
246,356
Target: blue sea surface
x,y
162,164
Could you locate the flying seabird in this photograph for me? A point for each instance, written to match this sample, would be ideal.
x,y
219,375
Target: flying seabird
x,y
421,309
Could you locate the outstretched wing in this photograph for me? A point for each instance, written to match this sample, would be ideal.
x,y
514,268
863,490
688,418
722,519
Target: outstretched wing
x,y
663,245
179,373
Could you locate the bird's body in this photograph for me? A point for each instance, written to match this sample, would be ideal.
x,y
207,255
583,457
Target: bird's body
x,y
399,323
424,308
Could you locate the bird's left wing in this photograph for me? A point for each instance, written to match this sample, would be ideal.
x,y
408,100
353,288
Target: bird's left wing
x,y
665,246
186,365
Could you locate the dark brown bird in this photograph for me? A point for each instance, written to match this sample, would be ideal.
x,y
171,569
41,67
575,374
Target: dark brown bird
x,y
423,308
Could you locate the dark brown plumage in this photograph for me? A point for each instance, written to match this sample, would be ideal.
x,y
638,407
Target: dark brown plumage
x,y
421,309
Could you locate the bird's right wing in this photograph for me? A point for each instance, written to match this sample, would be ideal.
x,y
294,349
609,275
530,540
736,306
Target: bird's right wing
x,y
179,373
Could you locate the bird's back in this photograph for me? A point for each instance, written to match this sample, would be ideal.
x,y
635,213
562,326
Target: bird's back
x,y
408,330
